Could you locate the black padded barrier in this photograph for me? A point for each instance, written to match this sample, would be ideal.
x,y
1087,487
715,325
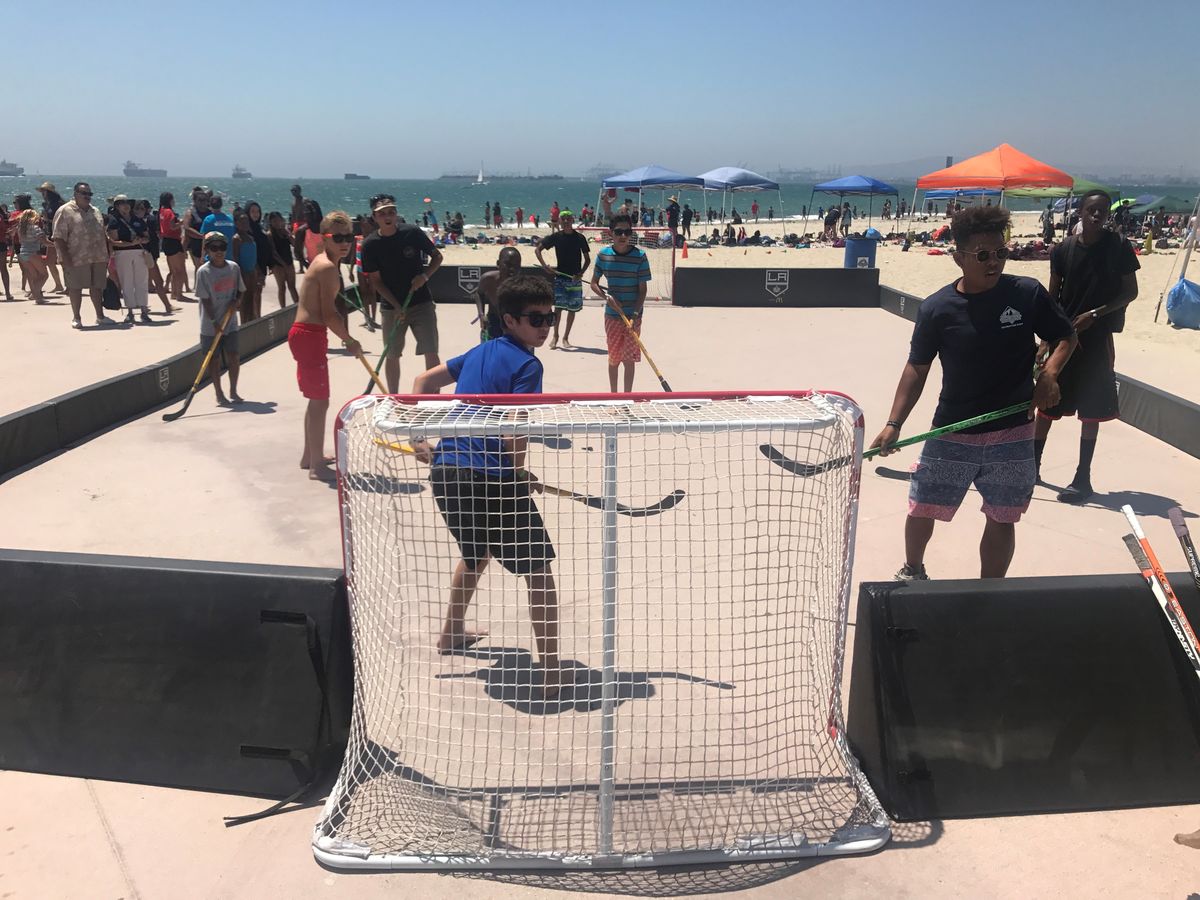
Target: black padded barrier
x,y
219,676
35,432
795,288
26,435
1171,419
1023,695
457,284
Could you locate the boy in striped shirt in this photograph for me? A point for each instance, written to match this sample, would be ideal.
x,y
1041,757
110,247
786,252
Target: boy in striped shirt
x,y
628,271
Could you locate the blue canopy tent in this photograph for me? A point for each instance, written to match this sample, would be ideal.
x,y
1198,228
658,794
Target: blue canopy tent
x,y
651,177
730,179
856,186
953,194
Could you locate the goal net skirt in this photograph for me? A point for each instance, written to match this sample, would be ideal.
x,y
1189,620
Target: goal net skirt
x,y
698,606
660,252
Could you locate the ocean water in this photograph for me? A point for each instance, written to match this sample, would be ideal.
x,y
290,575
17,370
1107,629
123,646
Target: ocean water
x,y
460,195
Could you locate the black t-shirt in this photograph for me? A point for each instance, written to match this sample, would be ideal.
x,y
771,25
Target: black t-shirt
x,y
1091,276
672,215
688,214
399,258
127,231
986,345
569,249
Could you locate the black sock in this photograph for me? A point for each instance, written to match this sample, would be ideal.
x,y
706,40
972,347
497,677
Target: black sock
x,y
1039,447
1087,449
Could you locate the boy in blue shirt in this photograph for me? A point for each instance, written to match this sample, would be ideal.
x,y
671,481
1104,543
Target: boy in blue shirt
x,y
480,484
628,272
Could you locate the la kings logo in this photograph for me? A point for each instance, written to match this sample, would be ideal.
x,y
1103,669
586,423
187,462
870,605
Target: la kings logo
x,y
777,283
164,379
468,278
1010,317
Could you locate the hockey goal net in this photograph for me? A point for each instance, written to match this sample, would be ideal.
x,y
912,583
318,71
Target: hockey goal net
x,y
660,253
700,591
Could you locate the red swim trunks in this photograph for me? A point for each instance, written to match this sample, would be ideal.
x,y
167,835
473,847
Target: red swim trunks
x,y
622,347
309,343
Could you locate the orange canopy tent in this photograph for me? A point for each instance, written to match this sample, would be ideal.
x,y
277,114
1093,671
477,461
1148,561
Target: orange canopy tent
x,y
1002,168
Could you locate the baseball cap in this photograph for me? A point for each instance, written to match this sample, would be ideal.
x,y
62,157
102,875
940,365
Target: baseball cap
x,y
566,212
214,237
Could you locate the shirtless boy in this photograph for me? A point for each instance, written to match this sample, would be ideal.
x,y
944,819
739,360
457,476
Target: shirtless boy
x,y
487,304
308,338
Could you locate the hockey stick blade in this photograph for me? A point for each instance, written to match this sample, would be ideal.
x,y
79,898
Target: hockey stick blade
x,y
1161,590
634,512
1175,514
804,470
172,416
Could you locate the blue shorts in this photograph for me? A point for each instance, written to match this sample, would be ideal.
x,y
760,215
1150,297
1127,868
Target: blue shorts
x,y
568,294
999,463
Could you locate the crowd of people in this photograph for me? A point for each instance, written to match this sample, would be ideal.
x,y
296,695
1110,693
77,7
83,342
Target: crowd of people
x,y
114,252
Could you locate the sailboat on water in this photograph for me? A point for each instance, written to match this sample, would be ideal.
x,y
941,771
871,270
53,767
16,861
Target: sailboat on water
x,y
479,182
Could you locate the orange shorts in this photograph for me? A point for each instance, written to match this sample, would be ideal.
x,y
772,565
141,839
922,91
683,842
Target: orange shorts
x,y
309,343
622,348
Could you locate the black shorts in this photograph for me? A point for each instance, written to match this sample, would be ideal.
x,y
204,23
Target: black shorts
x,y
490,517
1087,383
171,246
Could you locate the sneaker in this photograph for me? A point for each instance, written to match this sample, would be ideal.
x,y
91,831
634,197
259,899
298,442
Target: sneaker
x,y
909,573
76,324
145,317
104,320
129,318
1076,492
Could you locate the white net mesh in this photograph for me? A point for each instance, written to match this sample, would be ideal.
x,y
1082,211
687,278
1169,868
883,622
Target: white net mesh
x,y
656,244
700,591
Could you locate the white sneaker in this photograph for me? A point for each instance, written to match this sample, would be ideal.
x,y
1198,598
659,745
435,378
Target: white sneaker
x,y
75,323
909,573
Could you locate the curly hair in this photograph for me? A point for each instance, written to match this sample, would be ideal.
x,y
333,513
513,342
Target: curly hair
x,y
978,220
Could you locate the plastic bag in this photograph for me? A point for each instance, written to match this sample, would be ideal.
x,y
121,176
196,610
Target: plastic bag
x,y
1183,305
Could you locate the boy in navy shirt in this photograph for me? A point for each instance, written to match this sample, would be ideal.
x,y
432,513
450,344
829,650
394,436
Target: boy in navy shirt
x,y
480,484
983,328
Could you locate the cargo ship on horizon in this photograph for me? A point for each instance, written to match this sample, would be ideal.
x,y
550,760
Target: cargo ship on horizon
x,y
133,170
10,170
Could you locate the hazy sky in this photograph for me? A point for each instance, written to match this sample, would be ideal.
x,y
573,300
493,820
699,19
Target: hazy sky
x,y
408,89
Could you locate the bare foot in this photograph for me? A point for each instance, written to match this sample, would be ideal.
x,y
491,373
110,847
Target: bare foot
x,y
553,343
222,400
554,680
1189,840
233,395
322,473
567,345
325,460
459,641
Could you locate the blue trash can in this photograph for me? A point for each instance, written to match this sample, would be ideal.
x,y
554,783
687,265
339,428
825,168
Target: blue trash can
x,y
860,253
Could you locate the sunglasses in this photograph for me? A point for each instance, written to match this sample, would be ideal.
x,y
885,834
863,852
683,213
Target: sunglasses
x,y
215,245
84,193
341,238
984,255
540,320
622,232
